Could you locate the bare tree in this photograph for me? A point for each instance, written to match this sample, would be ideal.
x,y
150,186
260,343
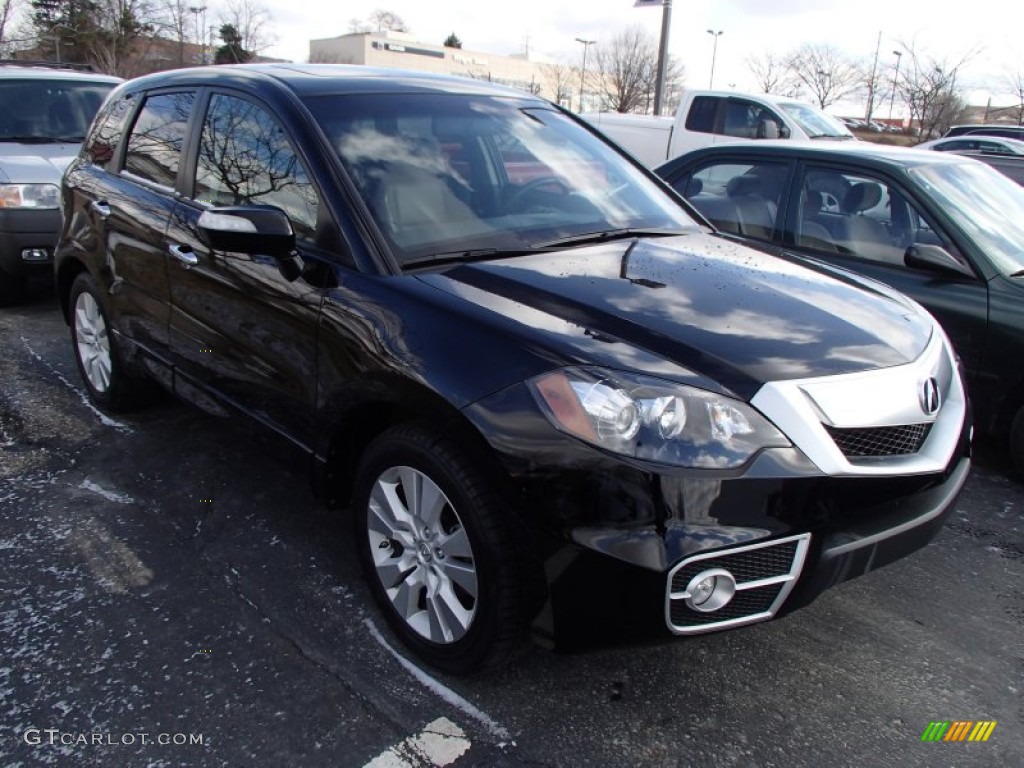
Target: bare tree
x,y
8,8
625,70
773,75
388,20
358,26
561,80
176,24
928,87
252,21
825,72
1014,83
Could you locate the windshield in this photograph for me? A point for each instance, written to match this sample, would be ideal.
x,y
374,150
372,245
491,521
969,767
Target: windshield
x,y
987,205
450,173
814,122
38,110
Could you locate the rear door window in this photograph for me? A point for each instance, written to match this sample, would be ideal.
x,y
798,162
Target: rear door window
x,y
156,140
702,114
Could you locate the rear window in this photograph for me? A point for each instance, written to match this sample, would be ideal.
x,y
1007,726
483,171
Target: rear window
x,y
37,110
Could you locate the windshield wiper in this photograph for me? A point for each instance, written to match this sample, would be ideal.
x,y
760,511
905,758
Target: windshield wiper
x,y
609,234
43,139
469,254
1018,273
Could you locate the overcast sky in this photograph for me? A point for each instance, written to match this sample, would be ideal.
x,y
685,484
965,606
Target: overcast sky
x,y
942,29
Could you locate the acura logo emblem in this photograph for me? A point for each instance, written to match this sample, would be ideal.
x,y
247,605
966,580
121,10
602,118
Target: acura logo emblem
x,y
930,398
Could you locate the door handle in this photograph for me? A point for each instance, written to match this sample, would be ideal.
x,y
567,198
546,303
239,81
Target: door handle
x,y
184,254
101,208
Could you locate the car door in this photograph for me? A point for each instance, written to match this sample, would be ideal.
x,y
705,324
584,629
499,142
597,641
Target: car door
x,y
128,202
244,327
864,220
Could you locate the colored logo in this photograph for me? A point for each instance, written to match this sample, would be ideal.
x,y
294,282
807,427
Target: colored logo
x,y
958,730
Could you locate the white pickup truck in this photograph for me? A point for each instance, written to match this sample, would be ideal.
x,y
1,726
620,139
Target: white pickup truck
x,y
716,117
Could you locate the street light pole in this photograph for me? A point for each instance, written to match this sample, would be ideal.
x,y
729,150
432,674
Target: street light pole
x,y
583,69
714,54
895,80
659,80
197,10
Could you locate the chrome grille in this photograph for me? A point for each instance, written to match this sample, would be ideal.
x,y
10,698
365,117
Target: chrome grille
x,y
862,442
764,573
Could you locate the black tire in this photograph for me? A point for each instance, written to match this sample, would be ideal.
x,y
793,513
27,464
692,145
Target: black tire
x,y
504,571
121,391
1017,444
12,289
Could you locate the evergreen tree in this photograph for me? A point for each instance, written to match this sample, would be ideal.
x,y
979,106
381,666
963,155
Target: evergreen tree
x,y
232,51
452,41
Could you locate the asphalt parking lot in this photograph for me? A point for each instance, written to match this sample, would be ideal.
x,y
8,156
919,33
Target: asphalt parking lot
x,y
171,594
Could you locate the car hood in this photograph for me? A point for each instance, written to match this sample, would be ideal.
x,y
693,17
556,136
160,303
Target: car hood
x,y
35,163
709,305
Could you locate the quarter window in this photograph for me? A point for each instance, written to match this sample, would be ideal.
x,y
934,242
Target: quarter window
x,y
245,158
155,143
110,126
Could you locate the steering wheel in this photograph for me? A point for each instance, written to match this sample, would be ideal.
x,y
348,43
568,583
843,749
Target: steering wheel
x,y
515,201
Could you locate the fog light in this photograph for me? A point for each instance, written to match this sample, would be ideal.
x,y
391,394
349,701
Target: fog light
x,y
710,590
35,254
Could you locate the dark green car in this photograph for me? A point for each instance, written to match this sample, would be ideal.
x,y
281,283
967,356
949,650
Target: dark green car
x,y
944,229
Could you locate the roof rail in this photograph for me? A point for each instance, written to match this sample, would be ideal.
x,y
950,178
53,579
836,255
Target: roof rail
x,y
48,64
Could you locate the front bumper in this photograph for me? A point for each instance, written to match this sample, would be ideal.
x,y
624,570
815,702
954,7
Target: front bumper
x,y
611,534
27,229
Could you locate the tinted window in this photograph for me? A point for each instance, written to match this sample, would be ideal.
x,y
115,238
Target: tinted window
x,y
738,197
246,158
702,114
154,146
107,134
49,109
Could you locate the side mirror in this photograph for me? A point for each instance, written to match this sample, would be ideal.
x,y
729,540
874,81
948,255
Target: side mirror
x,y
784,132
934,258
251,229
767,129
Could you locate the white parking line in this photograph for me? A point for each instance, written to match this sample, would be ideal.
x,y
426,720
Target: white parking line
x,y
104,419
439,688
440,743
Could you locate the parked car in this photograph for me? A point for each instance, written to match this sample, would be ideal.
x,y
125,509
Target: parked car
x,y
44,113
717,117
945,229
554,402
996,144
997,129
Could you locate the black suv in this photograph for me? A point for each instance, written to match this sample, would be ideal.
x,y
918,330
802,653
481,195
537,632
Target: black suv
x,y
555,401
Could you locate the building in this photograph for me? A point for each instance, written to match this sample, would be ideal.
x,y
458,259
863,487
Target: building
x,y
540,75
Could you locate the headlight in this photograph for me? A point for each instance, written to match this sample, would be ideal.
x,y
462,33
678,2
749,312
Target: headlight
x,y
29,196
647,418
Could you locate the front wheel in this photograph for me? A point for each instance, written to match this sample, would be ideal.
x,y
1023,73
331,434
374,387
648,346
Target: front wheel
x,y
443,559
98,359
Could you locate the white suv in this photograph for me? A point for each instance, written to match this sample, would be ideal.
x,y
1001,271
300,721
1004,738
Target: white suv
x,y
44,114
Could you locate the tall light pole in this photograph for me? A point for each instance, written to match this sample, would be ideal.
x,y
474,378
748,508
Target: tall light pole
x,y
714,54
666,23
197,10
895,80
583,69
